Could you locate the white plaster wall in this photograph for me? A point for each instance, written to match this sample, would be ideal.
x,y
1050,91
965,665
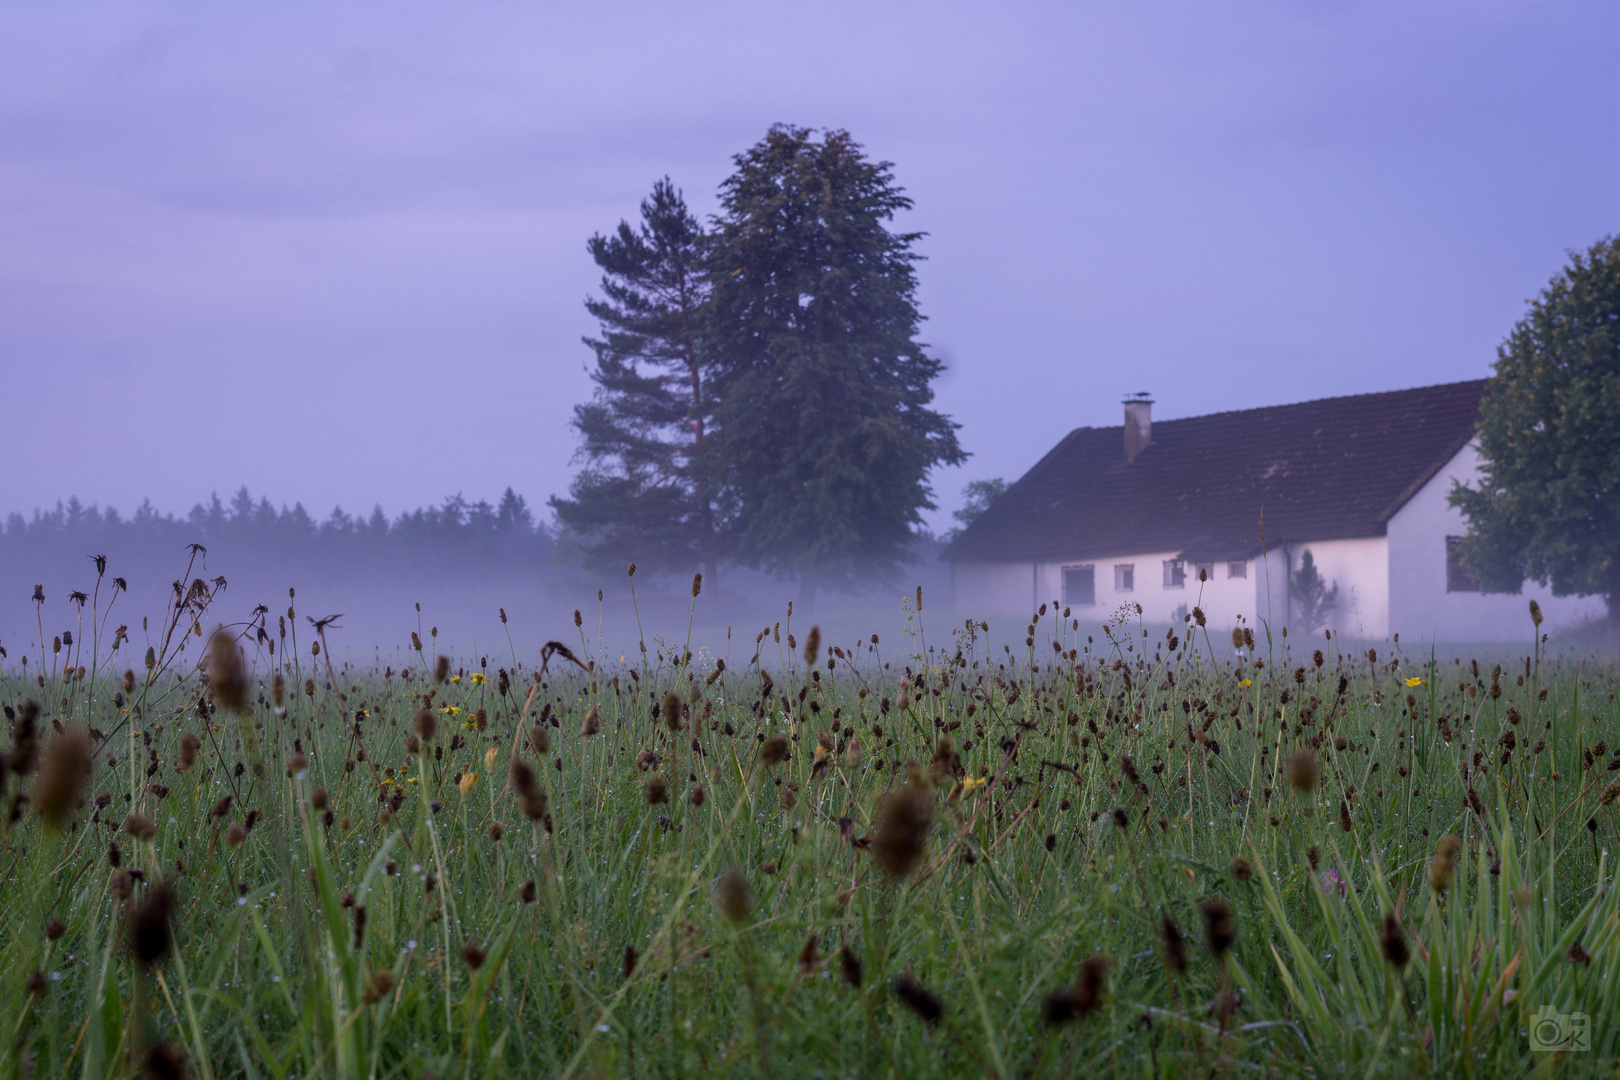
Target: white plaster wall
x,y
1420,606
1360,568
994,588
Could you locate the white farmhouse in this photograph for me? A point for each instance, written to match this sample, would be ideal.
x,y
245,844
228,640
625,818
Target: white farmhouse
x,y
1218,511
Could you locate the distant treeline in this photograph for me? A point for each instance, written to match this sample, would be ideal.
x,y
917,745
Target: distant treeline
x,y
255,537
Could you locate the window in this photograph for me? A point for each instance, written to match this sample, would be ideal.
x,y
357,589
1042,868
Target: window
x,y
1458,577
1205,571
1175,574
1080,586
1236,570
1124,577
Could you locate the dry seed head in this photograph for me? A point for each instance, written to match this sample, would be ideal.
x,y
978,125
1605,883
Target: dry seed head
x,y
472,955
379,986
61,784
851,965
1302,771
672,711
1393,942
1219,926
587,727
904,819
425,724
164,1060
189,745
697,585
919,999
1444,863
1242,868
774,751
812,646
441,669
732,896
24,756
149,925
1088,989
1175,952
657,790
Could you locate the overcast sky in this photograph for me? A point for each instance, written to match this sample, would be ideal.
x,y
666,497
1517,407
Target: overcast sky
x,y
337,252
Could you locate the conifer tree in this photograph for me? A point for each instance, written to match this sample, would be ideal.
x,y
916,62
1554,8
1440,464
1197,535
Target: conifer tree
x,y
638,496
822,434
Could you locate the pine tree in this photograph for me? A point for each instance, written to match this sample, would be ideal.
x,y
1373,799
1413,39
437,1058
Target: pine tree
x,y
822,437
1314,602
638,497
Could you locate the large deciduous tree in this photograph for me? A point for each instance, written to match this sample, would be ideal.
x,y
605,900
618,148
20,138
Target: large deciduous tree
x,y
1547,505
823,436
639,495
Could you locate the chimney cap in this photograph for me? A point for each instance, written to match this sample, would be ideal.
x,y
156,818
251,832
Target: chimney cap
x,y
1141,397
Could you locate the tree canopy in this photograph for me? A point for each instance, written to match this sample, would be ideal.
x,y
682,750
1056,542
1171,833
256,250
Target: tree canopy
x,y
820,390
761,393
1547,505
639,496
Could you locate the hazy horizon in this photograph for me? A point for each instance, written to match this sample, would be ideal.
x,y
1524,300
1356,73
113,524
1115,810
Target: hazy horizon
x,y
341,259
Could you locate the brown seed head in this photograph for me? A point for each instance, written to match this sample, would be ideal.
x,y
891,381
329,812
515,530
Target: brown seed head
x,y
1088,989
60,787
425,724
1242,868
812,646
919,999
24,756
851,965
904,819
774,751
441,669
1175,952
657,790
1393,942
587,727
1219,926
732,896
379,986
189,745
227,675
672,711
472,955
1444,863
164,1060
1302,771
149,925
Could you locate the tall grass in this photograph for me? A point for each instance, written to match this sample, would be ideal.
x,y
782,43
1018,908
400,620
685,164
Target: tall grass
x,y
1013,854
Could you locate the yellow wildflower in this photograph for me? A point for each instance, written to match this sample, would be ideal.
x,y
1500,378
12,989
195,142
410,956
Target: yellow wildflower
x,y
1414,682
479,679
971,784
465,784
489,758
455,678
450,710
1245,682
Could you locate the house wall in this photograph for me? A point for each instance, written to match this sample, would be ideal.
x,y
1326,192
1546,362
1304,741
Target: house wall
x,y
1420,606
1360,570
994,588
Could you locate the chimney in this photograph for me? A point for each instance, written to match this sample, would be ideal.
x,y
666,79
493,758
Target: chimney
x,y
1138,424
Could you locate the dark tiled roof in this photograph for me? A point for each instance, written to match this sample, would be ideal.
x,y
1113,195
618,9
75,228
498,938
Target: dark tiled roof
x,y
1320,470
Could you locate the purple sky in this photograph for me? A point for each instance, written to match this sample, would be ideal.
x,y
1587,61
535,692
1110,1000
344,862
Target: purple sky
x,y
337,252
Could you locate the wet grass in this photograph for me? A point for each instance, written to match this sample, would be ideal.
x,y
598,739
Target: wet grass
x,y
1008,851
